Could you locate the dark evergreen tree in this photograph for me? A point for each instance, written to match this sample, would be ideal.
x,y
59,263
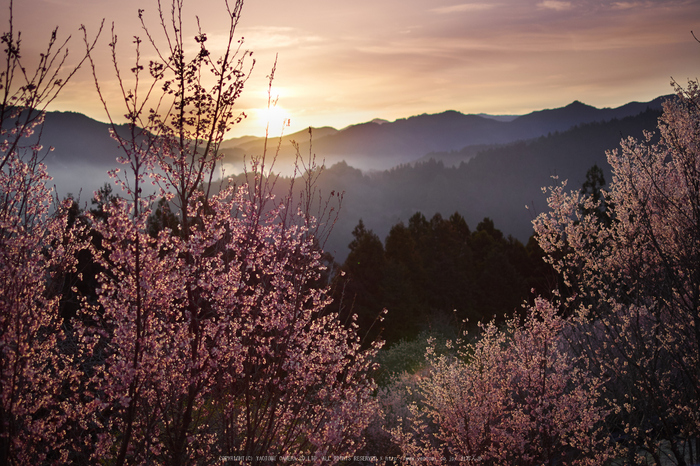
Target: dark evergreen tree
x,y
435,271
362,292
405,295
593,187
162,218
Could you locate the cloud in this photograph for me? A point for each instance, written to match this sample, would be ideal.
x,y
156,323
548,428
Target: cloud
x,y
555,5
627,5
463,8
340,64
271,37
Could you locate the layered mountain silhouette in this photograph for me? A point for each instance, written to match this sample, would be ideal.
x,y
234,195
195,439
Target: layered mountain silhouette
x,y
375,145
479,165
503,182
379,145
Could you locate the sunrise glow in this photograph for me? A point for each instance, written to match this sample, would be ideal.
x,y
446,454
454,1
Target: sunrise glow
x,y
274,119
350,63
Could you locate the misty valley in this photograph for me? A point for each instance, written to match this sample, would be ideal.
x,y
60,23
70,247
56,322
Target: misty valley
x,y
469,164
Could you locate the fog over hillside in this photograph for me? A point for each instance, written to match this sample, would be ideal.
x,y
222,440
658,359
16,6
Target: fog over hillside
x,y
497,181
476,164
380,145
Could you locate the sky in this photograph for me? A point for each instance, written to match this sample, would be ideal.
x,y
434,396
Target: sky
x,y
341,63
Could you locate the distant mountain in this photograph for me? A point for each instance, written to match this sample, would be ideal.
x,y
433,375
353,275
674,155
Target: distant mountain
x,y
468,163
84,151
576,113
77,138
250,143
379,145
498,182
498,117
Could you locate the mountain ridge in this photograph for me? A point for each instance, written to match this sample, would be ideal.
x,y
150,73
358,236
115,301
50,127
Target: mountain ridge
x,y
84,151
372,146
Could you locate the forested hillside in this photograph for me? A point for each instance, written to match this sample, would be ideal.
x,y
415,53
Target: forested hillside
x,y
437,274
497,183
380,145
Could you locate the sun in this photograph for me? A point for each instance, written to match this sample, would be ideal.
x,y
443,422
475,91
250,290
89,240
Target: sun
x,y
275,119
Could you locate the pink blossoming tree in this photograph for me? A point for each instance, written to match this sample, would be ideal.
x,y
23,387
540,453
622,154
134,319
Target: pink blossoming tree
x,y
515,396
37,374
212,340
634,284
